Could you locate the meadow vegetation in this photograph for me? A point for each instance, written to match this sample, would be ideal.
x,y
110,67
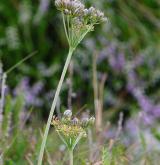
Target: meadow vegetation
x,y
79,85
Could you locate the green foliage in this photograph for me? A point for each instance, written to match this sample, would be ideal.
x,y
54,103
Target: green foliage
x,y
106,157
17,110
17,151
7,116
114,156
156,133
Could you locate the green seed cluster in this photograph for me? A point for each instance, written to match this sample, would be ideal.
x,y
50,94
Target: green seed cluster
x,y
72,127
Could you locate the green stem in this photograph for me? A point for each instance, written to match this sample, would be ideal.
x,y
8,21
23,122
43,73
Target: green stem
x,y
68,27
76,141
83,35
71,32
61,137
70,157
65,28
54,105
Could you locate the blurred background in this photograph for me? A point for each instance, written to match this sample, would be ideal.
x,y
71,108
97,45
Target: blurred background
x,y
123,54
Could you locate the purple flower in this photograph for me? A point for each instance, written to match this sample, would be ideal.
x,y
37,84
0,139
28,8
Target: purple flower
x,y
138,60
36,89
147,119
131,127
30,93
44,5
115,57
156,110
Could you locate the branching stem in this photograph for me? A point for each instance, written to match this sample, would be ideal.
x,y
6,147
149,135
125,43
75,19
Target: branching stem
x,y
72,45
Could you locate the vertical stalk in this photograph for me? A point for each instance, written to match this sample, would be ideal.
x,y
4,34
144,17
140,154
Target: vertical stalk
x,y
70,85
90,142
96,94
71,157
2,100
54,105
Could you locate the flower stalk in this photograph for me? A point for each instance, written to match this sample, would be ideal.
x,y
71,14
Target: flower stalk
x,y
71,157
71,50
77,21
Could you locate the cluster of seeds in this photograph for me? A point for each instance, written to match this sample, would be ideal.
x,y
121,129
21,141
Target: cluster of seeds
x,y
78,20
94,16
70,7
72,127
75,8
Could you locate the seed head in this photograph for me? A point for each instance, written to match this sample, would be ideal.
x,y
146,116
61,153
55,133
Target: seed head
x,y
62,4
91,120
75,8
79,20
70,7
84,122
67,114
75,121
69,128
94,16
67,12
72,129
